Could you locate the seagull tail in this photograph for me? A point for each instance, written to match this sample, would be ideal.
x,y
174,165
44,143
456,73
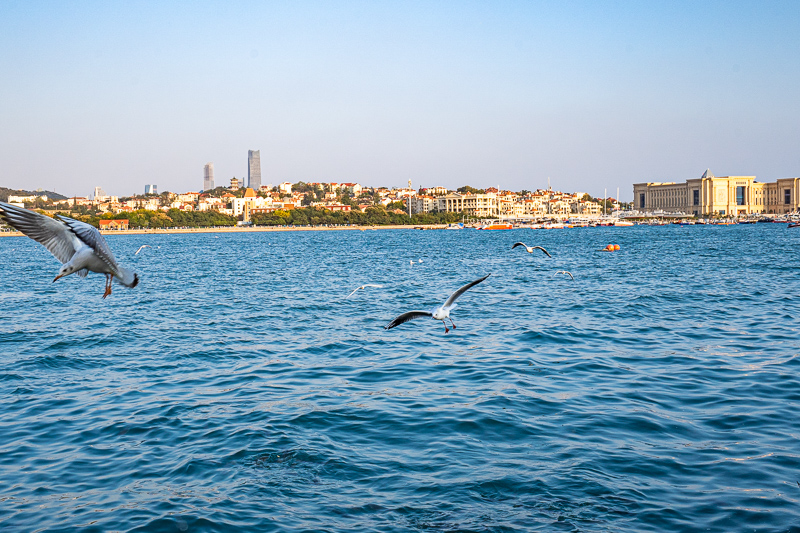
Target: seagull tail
x,y
127,277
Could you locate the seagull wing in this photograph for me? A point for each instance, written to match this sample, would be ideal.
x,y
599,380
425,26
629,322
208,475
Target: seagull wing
x,y
542,249
352,293
50,233
405,317
518,244
462,290
570,275
93,239
373,285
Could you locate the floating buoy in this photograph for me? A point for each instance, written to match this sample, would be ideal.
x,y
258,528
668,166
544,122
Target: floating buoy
x,y
616,247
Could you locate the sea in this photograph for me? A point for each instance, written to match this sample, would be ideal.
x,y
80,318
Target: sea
x,y
239,388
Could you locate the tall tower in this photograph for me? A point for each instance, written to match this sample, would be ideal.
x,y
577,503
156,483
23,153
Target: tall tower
x,y
208,177
254,169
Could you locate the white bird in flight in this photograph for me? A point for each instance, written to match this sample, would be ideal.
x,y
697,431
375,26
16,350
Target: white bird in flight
x,y
361,287
440,313
79,246
530,249
140,248
564,272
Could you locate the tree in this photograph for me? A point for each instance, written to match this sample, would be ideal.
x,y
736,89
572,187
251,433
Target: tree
x,y
466,189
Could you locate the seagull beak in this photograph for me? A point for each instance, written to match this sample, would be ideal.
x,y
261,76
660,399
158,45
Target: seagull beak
x,y
59,276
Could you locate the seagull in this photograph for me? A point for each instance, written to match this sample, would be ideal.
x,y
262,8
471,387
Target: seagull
x,y
412,261
564,272
361,287
79,246
530,249
140,248
439,313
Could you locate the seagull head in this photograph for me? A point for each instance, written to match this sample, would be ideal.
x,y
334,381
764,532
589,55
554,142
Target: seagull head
x,y
64,271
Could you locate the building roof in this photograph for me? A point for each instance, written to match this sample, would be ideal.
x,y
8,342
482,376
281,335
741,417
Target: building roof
x,y
249,193
707,174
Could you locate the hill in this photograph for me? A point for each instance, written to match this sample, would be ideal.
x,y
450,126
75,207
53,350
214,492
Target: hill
x,y
5,193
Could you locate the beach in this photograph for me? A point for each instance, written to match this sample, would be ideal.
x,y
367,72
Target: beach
x,y
244,229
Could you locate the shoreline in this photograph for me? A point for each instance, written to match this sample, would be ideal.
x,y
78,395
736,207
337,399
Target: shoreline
x,y
244,229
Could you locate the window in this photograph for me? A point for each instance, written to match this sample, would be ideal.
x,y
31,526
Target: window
x,y
740,195
787,196
696,198
641,200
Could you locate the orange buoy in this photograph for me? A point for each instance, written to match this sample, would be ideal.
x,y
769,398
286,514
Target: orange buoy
x,y
616,247
610,247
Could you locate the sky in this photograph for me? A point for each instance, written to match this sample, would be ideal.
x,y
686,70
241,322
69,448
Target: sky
x,y
590,95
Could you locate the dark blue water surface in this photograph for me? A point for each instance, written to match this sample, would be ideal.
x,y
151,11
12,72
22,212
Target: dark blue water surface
x,y
235,389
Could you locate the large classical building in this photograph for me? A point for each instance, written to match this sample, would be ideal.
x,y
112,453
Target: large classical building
x,y
254,169
724,195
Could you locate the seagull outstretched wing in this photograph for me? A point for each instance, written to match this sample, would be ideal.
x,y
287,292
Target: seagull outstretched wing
x,y
405,317
542,249
50,233
93,239
462,290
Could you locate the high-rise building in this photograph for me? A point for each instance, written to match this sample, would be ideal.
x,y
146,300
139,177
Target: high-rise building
x,y
151,189
208,177
99,192
254,169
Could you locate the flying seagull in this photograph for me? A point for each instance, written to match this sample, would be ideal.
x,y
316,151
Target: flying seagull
x,y
564,272
361,287
439,313
140,248
79,246
530,249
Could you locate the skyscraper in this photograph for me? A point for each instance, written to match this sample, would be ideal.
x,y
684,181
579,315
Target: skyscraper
x,y
150,189
208,177
254,169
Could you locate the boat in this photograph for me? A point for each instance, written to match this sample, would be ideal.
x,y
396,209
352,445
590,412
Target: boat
x,y
460,225
497,225
793,225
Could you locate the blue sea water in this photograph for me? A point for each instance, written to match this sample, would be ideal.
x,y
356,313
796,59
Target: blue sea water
x,y
236,389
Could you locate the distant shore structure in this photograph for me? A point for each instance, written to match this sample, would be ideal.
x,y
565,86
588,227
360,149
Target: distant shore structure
x,y
208,176
723,195
254,169
151,189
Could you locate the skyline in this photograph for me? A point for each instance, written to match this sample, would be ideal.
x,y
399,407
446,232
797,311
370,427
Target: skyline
x,y
508,94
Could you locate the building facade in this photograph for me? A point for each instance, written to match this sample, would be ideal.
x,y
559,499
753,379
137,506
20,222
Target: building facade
x,y
482,205
150,189
254,169
208,177
723,196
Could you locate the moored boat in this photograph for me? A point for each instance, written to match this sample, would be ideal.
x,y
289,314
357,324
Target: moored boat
x,y
500,225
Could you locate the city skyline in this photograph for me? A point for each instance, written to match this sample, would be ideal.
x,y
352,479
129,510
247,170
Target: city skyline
x,y
591,96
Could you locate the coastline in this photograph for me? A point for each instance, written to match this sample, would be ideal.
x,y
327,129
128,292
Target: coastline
x,y
243,229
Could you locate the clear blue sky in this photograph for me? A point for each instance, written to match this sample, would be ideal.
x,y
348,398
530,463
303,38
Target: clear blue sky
x,y
589,94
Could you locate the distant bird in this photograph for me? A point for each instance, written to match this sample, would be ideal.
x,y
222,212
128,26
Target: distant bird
x,y
361,287
440,313
530,249
79,246
564,272
140,248
412,261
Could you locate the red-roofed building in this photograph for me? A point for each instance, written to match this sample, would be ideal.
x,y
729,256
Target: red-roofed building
x,y
114,224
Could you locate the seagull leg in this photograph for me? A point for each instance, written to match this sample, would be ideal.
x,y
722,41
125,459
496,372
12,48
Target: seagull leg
x,y
108,286
454,324
445,326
